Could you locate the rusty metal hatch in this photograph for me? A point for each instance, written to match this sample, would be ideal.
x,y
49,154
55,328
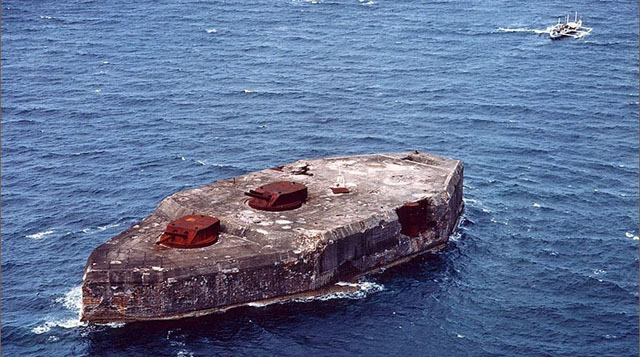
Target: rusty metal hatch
x,y
339,190
414,218
278,196
193,231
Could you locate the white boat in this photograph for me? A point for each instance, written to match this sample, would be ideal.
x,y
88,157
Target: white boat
x,y
568,29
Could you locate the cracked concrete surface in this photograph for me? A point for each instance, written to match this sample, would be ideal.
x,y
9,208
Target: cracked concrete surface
x,y
264,255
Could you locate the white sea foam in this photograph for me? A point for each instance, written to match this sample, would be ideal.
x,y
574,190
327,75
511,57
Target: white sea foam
x,y
212,30
46,17
248,91
258,304
200,162
100,228
72,301
475,203
41,329
39,235
364,288
63,323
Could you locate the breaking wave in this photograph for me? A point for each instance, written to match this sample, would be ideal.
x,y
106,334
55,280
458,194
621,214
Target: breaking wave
x,y
72,301
362,290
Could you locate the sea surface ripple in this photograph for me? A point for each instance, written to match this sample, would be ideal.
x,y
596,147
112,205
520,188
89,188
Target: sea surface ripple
x,y
110,106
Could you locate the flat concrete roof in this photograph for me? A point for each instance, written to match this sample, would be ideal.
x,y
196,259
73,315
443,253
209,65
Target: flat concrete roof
x,y
378,184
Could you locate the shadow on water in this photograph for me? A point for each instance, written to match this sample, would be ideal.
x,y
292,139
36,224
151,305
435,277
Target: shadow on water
x,y
243,326
249,326
427,265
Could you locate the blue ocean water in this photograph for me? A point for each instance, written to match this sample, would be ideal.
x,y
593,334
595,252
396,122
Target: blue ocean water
x,y
109,106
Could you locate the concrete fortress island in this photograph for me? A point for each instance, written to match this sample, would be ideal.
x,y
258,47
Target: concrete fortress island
x,y
274,235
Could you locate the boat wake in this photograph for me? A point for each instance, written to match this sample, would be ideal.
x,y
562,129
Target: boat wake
x,y
522,30
573,29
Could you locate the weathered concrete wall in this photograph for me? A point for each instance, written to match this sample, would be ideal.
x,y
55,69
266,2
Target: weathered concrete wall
x,y
129,278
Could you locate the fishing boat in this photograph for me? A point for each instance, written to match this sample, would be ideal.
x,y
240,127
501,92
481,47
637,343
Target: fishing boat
x,y
568,29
